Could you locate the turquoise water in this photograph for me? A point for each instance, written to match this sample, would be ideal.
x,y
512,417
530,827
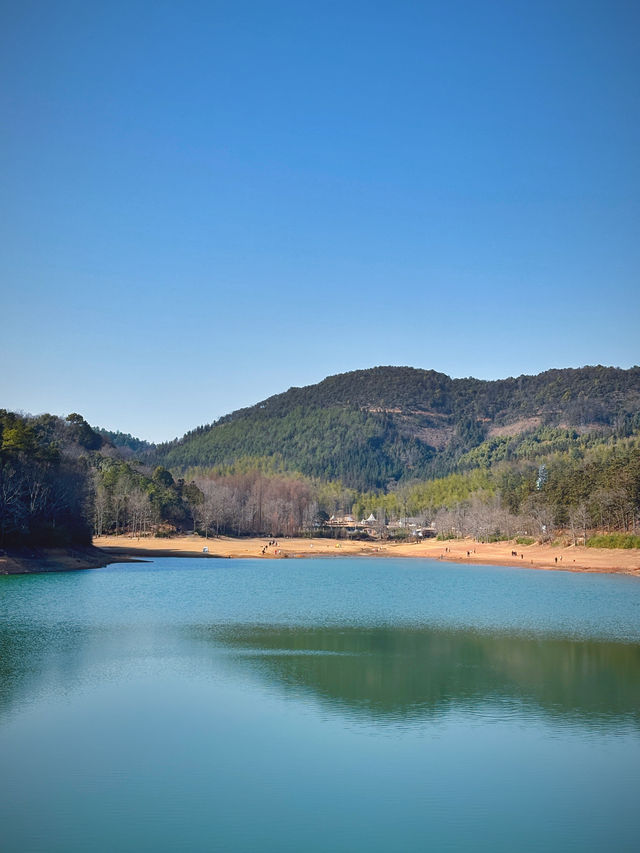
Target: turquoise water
x,y
303,705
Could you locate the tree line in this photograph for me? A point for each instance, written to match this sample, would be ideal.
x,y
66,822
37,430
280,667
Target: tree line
x,y
45,490
61,481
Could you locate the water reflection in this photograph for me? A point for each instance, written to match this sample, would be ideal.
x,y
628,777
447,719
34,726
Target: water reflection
x,y
397,672
379,674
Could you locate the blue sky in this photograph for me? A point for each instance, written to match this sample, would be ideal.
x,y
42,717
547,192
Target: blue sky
x,y
205,203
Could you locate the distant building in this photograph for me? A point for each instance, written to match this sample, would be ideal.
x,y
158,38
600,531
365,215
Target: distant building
x,y
425,533
341,521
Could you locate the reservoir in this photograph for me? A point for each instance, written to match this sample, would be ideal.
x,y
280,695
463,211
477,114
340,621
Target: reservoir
x,y
355,704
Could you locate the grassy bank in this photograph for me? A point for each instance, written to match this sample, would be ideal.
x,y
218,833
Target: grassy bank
x,y
614,540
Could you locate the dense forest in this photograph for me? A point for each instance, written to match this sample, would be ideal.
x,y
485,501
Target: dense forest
x,y
533,456
45,490
371,428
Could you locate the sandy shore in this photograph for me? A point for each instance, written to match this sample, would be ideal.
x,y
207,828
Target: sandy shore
x,y
572,558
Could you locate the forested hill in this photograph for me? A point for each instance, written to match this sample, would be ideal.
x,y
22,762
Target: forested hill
x,y
371,427
127,444
534,454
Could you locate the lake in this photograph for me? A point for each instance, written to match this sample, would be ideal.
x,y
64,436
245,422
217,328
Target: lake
x,y
319,705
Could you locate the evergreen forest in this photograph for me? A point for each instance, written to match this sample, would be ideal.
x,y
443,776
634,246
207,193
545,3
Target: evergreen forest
x,y
526,457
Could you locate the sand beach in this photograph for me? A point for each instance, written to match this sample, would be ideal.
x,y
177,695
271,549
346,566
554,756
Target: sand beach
x,y
570,558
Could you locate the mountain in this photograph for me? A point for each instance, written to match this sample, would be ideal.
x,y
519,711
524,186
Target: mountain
x,y
525,456
371,428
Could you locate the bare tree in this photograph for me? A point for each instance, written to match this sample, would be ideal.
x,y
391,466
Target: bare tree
x,y
579,520
539,517
140,512
100,506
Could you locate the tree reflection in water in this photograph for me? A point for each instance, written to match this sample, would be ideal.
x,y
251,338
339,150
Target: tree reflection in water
x,y
401,672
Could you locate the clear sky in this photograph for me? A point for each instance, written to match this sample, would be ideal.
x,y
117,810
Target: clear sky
x,y
205,203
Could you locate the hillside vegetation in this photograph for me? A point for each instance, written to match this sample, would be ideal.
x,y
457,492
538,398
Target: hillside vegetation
x,y
45,492
373,428
525,457
61,481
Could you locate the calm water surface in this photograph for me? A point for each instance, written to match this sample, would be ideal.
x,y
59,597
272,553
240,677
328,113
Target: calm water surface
x,y
339,705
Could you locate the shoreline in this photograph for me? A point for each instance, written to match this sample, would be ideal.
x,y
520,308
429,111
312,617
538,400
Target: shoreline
x,y
123,549
35,561
573,558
